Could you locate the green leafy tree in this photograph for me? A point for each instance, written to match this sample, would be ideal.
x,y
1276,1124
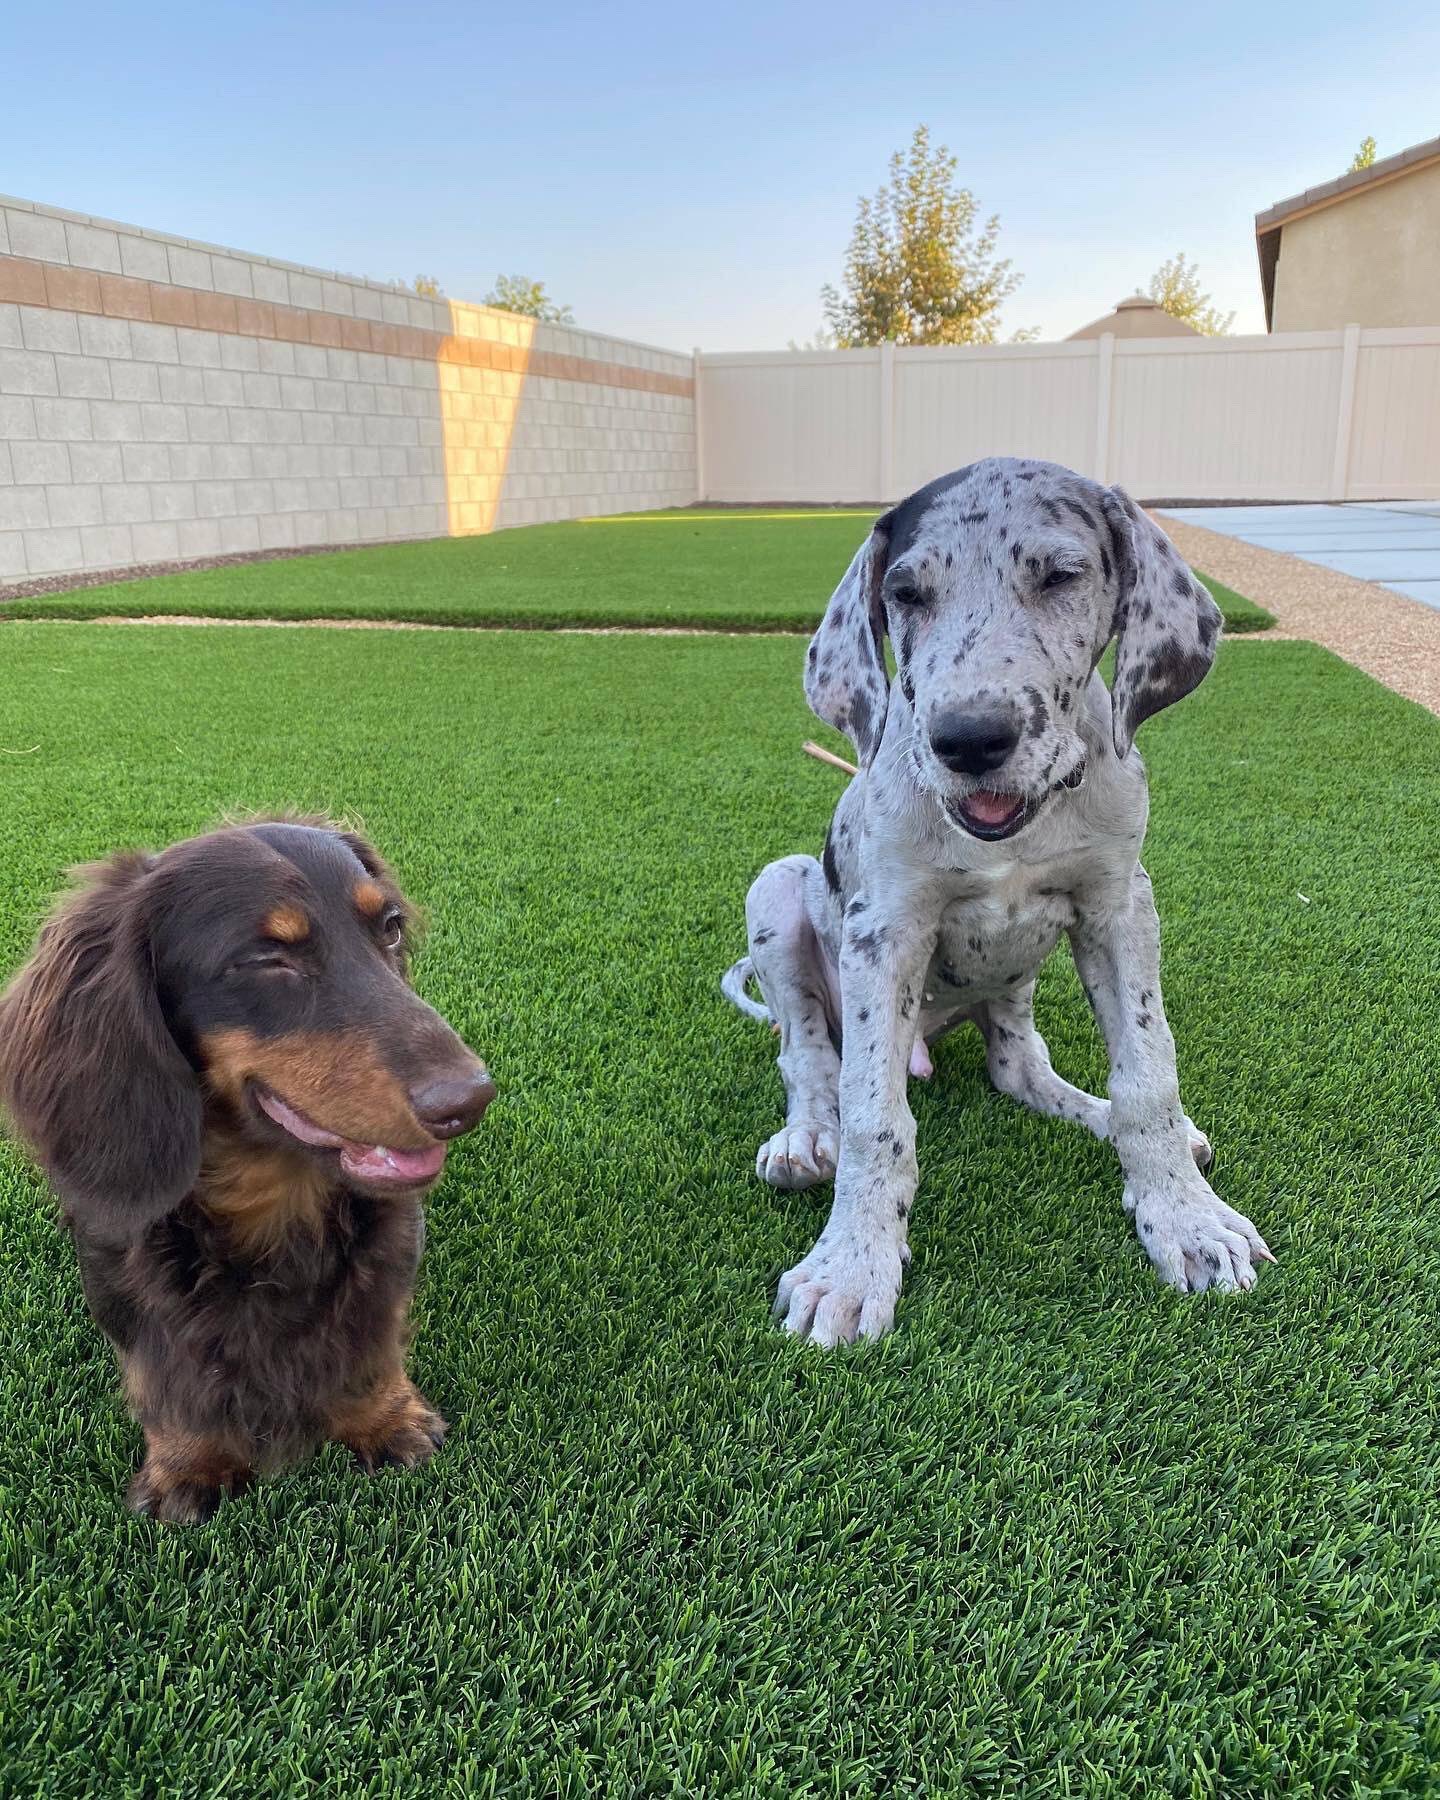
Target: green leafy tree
x,y
428,288
921,267
518,294
1175,286
1364,156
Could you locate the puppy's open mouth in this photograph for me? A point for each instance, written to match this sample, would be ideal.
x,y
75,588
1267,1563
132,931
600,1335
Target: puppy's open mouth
x,y
378,1165
989,815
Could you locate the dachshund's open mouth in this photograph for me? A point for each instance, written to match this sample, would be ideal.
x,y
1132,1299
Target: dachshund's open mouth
x,y
377,1165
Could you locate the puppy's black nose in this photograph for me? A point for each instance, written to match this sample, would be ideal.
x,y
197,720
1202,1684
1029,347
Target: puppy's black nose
x,y
453,1104
975,743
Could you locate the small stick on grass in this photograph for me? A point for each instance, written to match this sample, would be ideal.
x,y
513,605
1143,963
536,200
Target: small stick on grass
x,y
828,756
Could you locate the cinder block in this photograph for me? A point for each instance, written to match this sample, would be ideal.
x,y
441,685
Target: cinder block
x,y
191,462
136,380
106,546
35,235
104,337
310,528
367,303
73,505
214,499
291,495
337,297
297,392
223,387
170,500
180,386
305,290
22,507
231,276
267,460
261,390
239,534
86,377
13,566
155,543
93,462
91,248
199,537
270,284
143,258
254,497
239,353
125,502
154,343
325,494
53,552
190,268
277,531
68,420
233,462
208,424
342,365
275,358
355,491
27,372
11,337
312,360
45,330
200,349
4,234
161,424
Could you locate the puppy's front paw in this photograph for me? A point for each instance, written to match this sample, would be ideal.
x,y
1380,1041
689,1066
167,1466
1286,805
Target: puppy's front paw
x,y
799,1156
845,1288
182,1496
402,1429
1194,1239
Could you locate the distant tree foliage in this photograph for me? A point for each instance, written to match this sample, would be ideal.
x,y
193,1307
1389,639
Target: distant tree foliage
x,y
428,288
1364,156
518,294
1175,286
920,268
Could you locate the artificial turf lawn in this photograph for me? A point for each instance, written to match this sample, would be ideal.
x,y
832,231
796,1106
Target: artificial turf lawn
x,y
1063,1533
721,570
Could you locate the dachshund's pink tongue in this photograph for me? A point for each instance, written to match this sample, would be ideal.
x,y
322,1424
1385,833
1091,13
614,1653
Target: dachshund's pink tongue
x,y
375,1162
990,809
366,1162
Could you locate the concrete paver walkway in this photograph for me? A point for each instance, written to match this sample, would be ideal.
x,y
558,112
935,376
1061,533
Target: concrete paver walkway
x,y
1394,543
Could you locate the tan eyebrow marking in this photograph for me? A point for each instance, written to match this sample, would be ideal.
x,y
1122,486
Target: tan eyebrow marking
x,y
369,898
287,924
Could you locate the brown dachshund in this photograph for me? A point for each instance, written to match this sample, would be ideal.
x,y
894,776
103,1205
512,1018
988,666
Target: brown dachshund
x,y
218,1060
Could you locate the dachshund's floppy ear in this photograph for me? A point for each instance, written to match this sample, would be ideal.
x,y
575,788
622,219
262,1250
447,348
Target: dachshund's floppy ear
x,y
846,681
88,1069
1166,624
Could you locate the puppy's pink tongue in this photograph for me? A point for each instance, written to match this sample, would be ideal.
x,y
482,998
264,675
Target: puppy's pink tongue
x,y
990,809
376,1162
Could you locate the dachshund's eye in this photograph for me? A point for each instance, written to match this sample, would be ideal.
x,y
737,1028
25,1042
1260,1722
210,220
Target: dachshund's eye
x,y
392,930
262,962
1058,578
905,593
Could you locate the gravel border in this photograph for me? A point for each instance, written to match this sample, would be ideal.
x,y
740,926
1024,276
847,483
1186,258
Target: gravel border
x,y
38,585
1395,639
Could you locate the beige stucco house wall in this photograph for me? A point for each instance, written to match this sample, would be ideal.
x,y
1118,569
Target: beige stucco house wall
x,y
1362,250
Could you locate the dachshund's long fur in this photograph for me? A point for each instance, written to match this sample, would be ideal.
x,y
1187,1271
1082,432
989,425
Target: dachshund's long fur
x,y
217,1058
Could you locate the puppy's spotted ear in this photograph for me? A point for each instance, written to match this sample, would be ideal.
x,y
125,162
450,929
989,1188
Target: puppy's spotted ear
x,y
1166,625
88,1069
846,681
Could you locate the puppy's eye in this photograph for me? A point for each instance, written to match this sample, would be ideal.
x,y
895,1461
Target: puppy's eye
x,y
905,593
1058,578
392,930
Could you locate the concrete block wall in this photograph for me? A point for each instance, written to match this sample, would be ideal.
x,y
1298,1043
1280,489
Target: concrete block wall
x,y
165,400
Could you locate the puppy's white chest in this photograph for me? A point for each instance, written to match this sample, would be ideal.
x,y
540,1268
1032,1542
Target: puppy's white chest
x,y
994,938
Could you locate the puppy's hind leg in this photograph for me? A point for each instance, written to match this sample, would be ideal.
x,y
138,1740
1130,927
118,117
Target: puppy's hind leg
x,y
1019,1063
801,993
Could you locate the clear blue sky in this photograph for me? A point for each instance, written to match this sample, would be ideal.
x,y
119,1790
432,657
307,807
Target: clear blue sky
x,y
687,175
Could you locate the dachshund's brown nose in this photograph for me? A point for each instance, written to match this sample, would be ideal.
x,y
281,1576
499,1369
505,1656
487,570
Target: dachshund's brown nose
x,y
451,1105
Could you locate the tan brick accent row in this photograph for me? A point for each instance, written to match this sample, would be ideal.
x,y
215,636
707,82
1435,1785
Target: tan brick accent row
x,y
28,283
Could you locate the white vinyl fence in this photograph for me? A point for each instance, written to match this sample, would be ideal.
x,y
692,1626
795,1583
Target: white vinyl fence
x,y
1308,415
